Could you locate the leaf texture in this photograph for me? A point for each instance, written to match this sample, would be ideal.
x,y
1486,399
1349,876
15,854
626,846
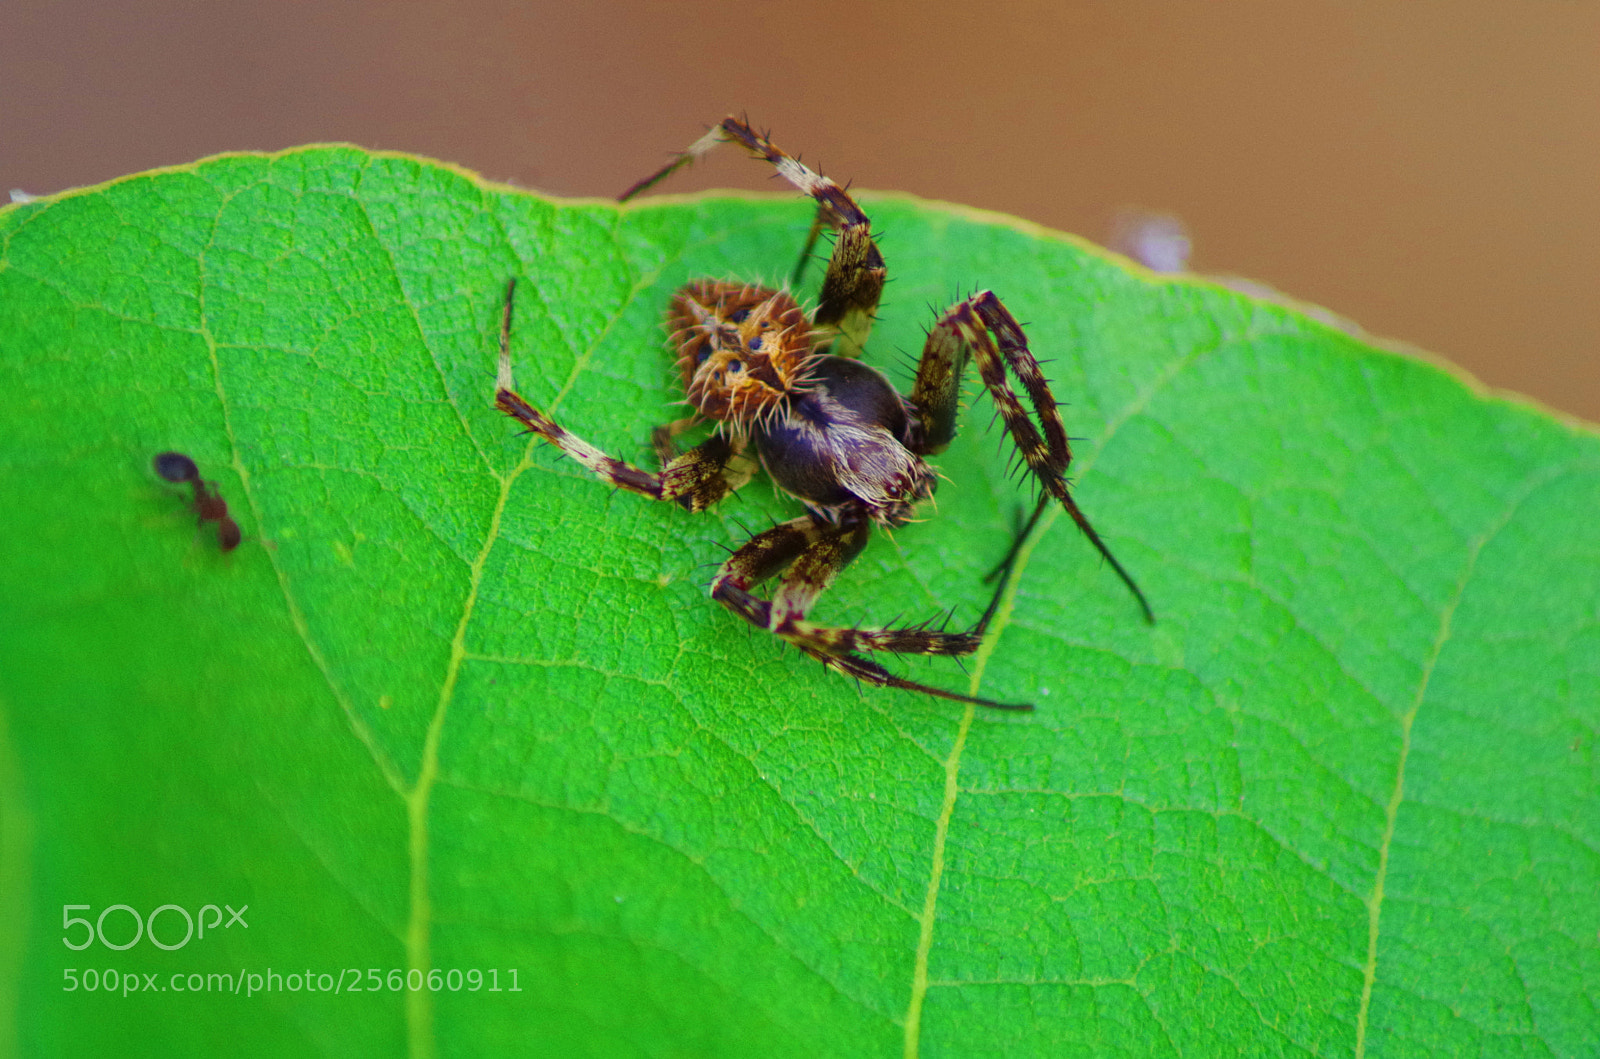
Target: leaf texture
x,y
454,704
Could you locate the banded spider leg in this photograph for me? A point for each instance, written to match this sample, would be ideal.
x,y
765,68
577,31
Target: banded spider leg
x,y
982,328
854,281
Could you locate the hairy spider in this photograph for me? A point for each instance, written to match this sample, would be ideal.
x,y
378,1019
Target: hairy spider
x,y
832,432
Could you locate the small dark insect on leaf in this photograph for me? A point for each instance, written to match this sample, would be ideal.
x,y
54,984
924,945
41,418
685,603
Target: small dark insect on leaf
x,y
207,503
791,396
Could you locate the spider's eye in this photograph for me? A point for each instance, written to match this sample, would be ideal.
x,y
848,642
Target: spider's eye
x,y
705,354
755,343
734,365
739,316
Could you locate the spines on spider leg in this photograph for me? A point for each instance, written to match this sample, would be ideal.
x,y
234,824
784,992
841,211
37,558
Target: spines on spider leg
x,y
842,640
1013,348
705,474
810,555
852,288
1047,456
855,277
972,327
1050,455
936,392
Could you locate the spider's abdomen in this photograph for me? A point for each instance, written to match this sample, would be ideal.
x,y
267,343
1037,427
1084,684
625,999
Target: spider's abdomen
x,y
841,443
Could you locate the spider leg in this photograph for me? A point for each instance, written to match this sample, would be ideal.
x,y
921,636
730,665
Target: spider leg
x,y
810,554
981,327
817,223
1004,566
854,283
696,479
661,438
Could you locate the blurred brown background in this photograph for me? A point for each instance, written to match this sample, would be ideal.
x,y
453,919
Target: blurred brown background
x,y
1428,169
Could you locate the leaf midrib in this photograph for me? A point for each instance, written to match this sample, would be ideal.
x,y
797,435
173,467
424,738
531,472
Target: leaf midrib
x,y
420,1039
1002,619
1397,795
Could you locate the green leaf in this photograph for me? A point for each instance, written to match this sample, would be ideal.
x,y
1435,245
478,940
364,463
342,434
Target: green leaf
x,y
454,704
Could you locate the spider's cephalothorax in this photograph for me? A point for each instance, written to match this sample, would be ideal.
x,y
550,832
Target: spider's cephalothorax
x,y
742,349
832,432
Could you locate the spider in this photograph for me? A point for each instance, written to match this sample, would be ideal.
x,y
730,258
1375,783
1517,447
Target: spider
x,y
788,392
